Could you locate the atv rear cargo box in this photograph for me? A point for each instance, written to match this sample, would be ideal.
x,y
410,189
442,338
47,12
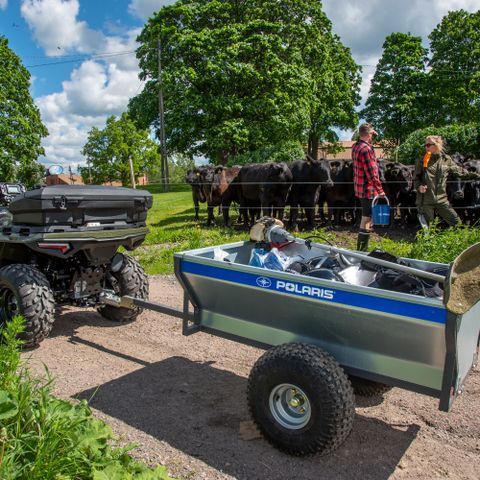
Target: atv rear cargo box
x,y
61,208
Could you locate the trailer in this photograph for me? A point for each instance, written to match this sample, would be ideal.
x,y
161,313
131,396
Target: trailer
x,y
325,337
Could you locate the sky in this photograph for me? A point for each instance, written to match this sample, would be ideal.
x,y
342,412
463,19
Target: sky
x,y
80,54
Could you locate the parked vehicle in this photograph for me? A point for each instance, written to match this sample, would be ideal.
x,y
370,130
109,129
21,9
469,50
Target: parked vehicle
x,y
59,246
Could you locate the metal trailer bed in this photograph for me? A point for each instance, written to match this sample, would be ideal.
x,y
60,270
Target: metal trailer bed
x,y
324,334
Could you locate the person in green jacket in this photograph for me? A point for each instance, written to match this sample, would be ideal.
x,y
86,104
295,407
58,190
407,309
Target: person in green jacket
x,y
430,181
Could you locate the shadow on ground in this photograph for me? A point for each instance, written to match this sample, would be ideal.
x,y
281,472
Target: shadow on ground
x,y
197,409
67,322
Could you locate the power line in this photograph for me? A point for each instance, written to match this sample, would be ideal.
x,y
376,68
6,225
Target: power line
x,y
92,57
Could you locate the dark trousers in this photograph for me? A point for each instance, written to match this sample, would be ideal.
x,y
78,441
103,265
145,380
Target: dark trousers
x,y
444,210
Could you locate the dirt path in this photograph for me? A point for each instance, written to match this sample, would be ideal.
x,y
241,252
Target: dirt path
x,y
183,400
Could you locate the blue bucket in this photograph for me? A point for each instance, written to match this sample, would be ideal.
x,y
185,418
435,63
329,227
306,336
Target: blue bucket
x,y
380,211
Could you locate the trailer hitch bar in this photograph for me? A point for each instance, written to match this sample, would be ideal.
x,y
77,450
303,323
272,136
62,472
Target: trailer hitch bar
x,y
109,297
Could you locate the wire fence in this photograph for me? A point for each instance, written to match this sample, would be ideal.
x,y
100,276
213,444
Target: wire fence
x,y
323,204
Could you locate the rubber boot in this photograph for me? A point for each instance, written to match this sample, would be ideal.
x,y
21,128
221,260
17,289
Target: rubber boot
x,y
362,240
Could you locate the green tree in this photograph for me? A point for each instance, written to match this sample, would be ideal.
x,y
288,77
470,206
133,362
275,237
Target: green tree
x,y
395,103
21,128
108,152
242,75
455,68
464,139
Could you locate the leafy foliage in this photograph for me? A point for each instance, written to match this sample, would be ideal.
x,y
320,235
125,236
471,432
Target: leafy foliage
x,y
45,438
443,245
464,139
178,167
21,128
455,68
395,104
239,76
108,152
283,152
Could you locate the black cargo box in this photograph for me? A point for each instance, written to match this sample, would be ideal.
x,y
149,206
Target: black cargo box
x,y
81,206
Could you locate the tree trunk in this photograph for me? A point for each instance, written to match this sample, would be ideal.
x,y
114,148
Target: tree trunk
x,y
313,147
222,156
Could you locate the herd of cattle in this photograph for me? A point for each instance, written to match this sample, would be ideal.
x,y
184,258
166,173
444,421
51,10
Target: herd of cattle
x,y
323,189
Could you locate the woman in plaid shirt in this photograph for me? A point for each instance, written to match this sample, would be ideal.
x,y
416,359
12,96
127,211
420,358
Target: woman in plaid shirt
x,y
366,181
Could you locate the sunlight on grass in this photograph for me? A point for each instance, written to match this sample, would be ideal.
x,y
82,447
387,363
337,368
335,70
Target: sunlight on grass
x,y
173,229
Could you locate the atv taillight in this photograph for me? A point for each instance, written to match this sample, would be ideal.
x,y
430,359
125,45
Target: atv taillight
x,y
61,247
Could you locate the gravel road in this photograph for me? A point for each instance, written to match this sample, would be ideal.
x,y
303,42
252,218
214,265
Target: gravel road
x,y
182,399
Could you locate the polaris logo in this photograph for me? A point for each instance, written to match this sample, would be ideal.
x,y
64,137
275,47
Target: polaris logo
x,y
264,282
306,290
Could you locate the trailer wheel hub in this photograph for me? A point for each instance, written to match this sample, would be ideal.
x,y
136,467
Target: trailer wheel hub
x,y
290,406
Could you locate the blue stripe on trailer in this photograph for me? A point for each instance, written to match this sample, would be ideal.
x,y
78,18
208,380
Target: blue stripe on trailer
x,y
370,302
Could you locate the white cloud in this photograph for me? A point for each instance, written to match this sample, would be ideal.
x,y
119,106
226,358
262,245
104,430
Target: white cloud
x,y
3,4
363,26
145,8
55,26
93,92
101,86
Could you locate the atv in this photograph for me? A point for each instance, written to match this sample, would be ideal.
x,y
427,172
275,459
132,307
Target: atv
x,y
59,246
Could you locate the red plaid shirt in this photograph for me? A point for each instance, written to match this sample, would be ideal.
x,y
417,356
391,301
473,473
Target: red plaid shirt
x,y
366,179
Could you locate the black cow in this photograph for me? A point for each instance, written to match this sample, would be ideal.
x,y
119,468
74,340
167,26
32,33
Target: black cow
x,y
341,198
397,185
407,201
308,176
196,178
472,192
262,186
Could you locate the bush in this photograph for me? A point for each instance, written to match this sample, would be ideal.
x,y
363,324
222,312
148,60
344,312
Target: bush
x,y
443,245
43,437
285,152
464,139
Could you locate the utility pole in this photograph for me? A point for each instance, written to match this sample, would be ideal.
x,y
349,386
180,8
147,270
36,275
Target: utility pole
x,y
161,114
132,174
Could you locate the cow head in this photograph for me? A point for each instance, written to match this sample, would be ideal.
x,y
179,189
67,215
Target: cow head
x,y
382,165
280,172
455,188
320,171
399,175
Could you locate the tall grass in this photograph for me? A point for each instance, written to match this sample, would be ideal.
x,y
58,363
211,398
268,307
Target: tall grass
x,y
173,229
43,437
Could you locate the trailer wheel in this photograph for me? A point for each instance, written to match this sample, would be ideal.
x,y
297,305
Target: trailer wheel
x,y
131,280
301,399
25,291
368,388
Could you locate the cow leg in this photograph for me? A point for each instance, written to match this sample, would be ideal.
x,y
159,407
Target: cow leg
x,y
310,214
210,216
195,206
225,212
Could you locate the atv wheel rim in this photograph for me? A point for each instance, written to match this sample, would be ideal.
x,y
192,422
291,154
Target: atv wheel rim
x,y
290,406
8,305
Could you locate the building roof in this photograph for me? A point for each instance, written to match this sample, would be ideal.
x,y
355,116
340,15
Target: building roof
x,y
64,179
346,154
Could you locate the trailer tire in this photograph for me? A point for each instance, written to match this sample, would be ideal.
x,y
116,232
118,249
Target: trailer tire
x,y
368,388
25,291
301,399
130,280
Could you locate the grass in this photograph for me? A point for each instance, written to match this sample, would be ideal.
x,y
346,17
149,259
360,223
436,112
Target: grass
x,y
173,229
46,438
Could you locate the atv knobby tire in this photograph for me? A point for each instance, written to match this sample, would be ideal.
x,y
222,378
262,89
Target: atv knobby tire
x,y
368,388
301,399
25,291
129,280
